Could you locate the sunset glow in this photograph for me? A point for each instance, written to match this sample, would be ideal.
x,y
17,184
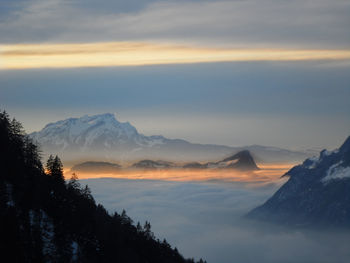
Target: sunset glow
x,y
22,56
267,174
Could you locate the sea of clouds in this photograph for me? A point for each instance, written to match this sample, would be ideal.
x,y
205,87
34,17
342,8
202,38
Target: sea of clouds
x,y
205,219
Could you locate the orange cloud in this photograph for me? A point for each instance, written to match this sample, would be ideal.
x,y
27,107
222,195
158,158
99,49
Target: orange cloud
x,y
268,173
26,56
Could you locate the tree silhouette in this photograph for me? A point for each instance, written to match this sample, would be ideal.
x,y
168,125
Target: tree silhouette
x,y
54,168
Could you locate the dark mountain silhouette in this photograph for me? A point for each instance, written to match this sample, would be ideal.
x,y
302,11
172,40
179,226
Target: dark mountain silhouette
x,y
194,165
317,192
92,167
43,218
242,160
149,164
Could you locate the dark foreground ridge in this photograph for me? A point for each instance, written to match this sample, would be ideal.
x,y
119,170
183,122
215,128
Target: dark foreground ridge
x,y
317,193
45,219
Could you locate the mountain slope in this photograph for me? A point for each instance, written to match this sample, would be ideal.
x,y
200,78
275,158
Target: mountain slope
x,y
317,192
103,138
45,219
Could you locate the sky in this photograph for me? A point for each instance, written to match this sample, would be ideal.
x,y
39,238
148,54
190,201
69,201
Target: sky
x,y
223,72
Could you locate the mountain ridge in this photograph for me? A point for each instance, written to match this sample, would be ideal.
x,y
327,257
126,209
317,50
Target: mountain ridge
x,y
316,193
103,138
242,161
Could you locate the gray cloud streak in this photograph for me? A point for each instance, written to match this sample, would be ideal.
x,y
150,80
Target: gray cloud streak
x,y
269,23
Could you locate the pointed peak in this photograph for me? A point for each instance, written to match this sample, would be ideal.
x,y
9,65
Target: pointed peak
x,y
243,161
346,145
240,154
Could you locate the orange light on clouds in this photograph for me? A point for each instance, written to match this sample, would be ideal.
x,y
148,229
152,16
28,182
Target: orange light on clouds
x,y
26,56
265,175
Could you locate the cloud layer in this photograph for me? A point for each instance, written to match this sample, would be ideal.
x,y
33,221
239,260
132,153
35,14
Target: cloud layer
x,y
249,23
204,220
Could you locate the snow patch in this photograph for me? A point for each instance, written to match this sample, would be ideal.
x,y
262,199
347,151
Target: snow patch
x,y
336,172
311,162
75,249
10,201
48,234
31,217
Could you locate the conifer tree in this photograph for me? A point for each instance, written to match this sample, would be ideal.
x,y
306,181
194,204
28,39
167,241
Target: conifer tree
x,y
54,168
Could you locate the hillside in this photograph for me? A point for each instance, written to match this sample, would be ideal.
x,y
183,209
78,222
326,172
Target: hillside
x,y
45,219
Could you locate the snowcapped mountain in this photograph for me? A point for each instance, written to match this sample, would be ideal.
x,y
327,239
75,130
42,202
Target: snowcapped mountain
x,y
317,192
99,131
102,137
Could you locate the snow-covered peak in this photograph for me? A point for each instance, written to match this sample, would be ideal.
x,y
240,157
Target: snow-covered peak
x,y
102,130
77,126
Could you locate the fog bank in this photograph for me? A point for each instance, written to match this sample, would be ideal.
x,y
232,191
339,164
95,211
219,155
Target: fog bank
x,y
204,219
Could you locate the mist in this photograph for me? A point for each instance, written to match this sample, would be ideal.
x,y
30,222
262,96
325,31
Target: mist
x,y
205,219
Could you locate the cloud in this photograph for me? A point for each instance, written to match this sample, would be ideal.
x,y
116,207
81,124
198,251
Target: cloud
x,y
249,23
205,220
138,53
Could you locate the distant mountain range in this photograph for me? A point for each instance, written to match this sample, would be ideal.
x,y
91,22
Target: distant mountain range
x,y
103,138
242,161
317,192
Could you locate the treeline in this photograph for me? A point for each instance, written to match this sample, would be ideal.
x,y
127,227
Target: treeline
x,y
43,218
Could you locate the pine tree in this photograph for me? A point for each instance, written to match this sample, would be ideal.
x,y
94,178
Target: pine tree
x,y
139,228
54,168
73,183
147,230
